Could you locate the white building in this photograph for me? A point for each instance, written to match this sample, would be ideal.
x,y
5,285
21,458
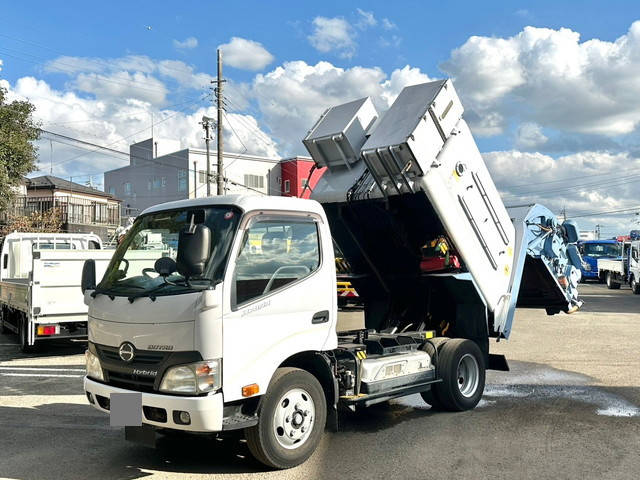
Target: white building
x,y
159,171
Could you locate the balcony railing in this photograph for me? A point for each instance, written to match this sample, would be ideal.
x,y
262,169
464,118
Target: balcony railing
x,y
73,210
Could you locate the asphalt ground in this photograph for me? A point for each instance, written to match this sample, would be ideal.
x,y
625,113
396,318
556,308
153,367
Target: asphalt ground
x,y
569,408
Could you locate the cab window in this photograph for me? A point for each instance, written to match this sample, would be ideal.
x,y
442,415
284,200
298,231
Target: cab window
x,y
275,253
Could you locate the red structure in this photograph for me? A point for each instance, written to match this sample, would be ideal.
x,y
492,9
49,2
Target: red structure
x,y
294,175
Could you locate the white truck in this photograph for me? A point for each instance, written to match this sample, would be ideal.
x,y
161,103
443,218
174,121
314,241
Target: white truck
x,y
39,279
231,322
626,270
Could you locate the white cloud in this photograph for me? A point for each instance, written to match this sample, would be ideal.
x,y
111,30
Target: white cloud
x,y
550,78
333,35
530,136
582,182
388,24
365,19
190,42
292,96
122,85
245,54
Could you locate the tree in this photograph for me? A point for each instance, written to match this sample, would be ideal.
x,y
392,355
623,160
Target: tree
x,y
18,132
49,221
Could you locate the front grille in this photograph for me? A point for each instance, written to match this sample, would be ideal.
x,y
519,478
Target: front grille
x,y
144,357
131,382
119,373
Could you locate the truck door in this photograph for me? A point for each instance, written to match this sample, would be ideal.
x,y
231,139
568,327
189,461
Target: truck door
x,y
279,298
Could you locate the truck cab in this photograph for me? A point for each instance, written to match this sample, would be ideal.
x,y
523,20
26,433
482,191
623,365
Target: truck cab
x,y
592,250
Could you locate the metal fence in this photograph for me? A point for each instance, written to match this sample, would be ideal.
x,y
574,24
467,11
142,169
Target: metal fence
x,y
73,210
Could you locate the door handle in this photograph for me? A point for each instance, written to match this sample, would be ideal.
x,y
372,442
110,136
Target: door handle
x,y
320,317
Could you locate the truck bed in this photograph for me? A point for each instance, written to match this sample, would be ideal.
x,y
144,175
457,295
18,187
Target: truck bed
x,y
606,264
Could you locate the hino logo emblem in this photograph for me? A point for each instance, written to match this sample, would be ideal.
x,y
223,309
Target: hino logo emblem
x,y
127,351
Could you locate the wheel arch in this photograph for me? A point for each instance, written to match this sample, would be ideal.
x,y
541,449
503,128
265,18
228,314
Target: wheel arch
x,y
320,365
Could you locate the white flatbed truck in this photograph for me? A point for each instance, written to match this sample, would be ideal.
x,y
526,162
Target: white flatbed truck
x,y
230,323
39,278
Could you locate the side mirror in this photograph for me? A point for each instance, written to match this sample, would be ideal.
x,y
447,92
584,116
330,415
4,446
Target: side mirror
x,y
165,266
194,245
88,281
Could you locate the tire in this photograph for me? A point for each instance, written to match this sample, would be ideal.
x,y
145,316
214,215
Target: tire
x,y
635,286
3,313
24,344
462,370
294,400
611,284
430,397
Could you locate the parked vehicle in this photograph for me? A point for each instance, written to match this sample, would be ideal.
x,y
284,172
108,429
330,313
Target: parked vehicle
x,y
219,335
592,251
39,280
625,270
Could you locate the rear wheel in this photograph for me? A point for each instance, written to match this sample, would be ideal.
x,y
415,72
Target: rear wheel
x,y
461,367
3,314
292,416
611,283
24,337
635,286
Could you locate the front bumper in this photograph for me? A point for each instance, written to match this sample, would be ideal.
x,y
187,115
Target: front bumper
x,y
206,412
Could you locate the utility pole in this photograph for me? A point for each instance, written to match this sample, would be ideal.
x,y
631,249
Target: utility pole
x,y
220,177
206,123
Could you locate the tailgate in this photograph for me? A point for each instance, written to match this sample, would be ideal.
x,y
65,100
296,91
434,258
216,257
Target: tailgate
x,y
57,274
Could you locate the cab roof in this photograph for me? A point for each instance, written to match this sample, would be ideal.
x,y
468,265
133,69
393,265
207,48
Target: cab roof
x,y
246,202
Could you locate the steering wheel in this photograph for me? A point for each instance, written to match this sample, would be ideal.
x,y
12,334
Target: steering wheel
x,y
291,269
146,271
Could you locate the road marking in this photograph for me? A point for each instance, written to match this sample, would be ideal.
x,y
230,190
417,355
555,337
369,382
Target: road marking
x,y
9,344
38,375
42,369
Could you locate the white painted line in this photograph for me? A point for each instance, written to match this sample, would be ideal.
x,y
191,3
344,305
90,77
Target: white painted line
x,y
43,369
9,344
38,375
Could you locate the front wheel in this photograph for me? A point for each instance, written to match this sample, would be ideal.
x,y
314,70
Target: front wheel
x,y
635,286
292,416
461,367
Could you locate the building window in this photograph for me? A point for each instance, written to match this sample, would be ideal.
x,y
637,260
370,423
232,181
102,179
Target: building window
x,y
127,188
182,180
112,190
164,182
149,185
287,186
304,182
253,181
202,176
156,183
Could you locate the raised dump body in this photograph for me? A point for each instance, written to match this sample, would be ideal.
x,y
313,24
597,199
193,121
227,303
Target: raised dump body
x,y
399,182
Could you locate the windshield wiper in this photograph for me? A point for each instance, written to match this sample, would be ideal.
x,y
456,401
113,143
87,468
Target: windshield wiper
x,y
106,291
150,293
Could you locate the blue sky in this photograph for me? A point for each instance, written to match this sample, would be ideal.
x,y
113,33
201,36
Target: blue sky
x,y
98,72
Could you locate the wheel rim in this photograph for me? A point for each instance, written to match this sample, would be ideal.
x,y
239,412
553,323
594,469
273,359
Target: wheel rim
x,y
294,418
468,375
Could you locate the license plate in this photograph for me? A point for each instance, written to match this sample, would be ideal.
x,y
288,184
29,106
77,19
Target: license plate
x,y
126,409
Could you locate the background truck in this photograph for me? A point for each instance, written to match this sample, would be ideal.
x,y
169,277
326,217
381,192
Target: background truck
x,y
625,270
39,279
594,250
223,334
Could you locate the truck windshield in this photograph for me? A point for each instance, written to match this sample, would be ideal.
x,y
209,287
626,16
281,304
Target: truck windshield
x,y
602,250
155,235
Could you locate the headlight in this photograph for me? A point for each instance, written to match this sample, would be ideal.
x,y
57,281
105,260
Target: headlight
x,y
586,266
194,378
94,370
